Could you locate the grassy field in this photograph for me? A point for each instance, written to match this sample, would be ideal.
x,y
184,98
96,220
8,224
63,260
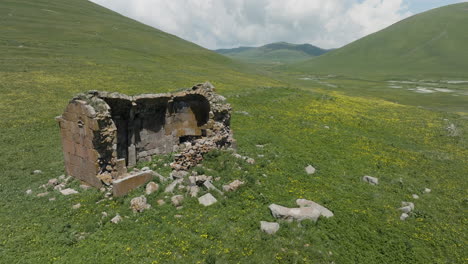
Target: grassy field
x,y
430,44
54,49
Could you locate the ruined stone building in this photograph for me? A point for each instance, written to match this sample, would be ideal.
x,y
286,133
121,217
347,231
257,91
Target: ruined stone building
x,y
103,133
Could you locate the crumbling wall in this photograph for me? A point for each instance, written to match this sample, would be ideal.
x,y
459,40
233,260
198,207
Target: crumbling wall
x,y
104,132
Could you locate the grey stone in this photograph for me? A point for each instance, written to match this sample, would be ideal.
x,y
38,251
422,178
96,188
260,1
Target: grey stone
x,y
404,216
42,194
177,200
53,182
193,190
415,196
427,190
76,206
179,174
207,199
151,187
250,161
68,191
211,187
29,192
306,203
269,227
410,204
233,186
145,168
85,187
37,172
405,209
290,214
161,202
371,180
310,170
138,204
116,219
170,188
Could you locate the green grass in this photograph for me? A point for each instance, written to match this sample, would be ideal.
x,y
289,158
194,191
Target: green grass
x,y
406,147
274,53
430,44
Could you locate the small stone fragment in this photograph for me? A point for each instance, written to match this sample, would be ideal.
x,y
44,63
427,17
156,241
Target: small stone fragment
x,y
59,187
85,187
151,187
371,180
138,204
427,190
415,196
76,206
68,191
310,170
170,187
161,202
37,172
269,227
116,219
53,182
233,186
104,214
207,199
177,200
210,186
29,192
404,216
51,199
250,161
145,168
42,194
410,204
178,216
193,190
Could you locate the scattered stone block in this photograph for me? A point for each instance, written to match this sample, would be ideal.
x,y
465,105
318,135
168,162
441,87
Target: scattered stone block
x,y
138,204
126,184
233,186
85,187
207,199
427,190
310,170
290,214
404,216
177,200
306,203
193,190
161,202
76,206
269,227
116,219
415,196
211,187
170,188
42,194
371,180
68,191
151,187
37,172
29,192
51,199
53,182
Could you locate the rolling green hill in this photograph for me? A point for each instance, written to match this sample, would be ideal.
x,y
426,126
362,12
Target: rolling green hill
x,y
278,53
432,44
52,49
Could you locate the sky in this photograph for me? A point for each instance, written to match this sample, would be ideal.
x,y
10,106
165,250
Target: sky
x,y
216,24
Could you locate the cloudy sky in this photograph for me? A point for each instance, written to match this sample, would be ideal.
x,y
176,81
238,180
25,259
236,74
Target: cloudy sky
x,y
217,24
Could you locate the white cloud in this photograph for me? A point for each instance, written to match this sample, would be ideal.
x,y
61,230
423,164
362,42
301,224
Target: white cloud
x,y
231,23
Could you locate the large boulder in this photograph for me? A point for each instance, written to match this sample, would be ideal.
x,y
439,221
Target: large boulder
x,y
306,203
290,214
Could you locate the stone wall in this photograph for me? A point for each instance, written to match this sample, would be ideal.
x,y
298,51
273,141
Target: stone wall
x,y
104,132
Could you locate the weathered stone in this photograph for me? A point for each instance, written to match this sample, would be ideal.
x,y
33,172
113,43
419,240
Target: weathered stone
x,y
427,190
161,202
371,180
170,188
76,206
404,216
151,187
37,172
207,199
116,219
290,214
306,203
250,161
406,205
179,174
269,227
177,200
42,194
193,190
415,196
310,170
233,186
85,187
138,204
59,187
53,182
68,191
124,185
210,186
51,199
29,192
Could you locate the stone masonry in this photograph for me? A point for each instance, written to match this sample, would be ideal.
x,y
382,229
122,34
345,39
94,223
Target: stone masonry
x,y
104,133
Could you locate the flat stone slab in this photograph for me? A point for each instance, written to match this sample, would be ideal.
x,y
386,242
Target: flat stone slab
x,y
269,227
68,191
323,210
207,199
290,214
128,183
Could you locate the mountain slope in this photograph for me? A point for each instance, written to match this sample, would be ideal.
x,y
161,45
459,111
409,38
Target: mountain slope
x,y
280,52
432,43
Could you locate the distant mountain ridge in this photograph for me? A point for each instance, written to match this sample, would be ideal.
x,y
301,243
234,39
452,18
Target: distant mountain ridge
x,y
279,52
